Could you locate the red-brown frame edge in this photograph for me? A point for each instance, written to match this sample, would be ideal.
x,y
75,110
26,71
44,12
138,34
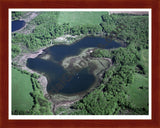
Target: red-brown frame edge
x,y
6,4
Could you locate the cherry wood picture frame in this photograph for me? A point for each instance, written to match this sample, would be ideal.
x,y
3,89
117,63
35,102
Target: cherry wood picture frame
x,y
4,76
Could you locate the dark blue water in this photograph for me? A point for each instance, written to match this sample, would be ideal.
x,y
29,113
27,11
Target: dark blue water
x,y
59,52
17,24
61,81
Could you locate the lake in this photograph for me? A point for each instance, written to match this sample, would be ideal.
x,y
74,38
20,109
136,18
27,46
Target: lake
x,y
59,81
17,24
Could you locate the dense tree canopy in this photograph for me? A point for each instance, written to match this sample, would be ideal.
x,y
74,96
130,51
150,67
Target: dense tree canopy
x,y
17,14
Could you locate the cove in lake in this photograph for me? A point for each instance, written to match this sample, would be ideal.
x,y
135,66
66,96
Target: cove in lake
x,y
80,81
17,24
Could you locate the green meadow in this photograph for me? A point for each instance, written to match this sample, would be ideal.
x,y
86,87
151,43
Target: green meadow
x,y
138,92
21,88
80,18
145,57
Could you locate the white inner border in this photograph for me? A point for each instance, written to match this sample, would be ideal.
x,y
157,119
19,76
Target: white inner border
x,y
88,117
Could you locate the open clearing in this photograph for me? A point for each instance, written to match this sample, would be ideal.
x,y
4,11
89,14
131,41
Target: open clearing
x,y
80,18
138,91
145,57
21,88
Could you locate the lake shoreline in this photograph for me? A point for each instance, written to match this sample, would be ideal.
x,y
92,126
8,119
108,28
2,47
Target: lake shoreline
x,y
22,61
65,101
27,18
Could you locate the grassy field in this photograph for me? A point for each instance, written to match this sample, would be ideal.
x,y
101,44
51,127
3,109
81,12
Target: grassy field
x,y
21,88
144,56
78,18
138,91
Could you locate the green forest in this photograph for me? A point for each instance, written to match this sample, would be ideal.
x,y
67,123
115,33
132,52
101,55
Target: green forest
x,y
124,88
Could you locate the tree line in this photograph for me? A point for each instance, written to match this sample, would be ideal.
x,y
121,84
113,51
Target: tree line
x,y
47,29
17,15
125,28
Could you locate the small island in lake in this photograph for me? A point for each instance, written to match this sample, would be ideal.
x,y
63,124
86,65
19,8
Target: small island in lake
x,y
80,63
